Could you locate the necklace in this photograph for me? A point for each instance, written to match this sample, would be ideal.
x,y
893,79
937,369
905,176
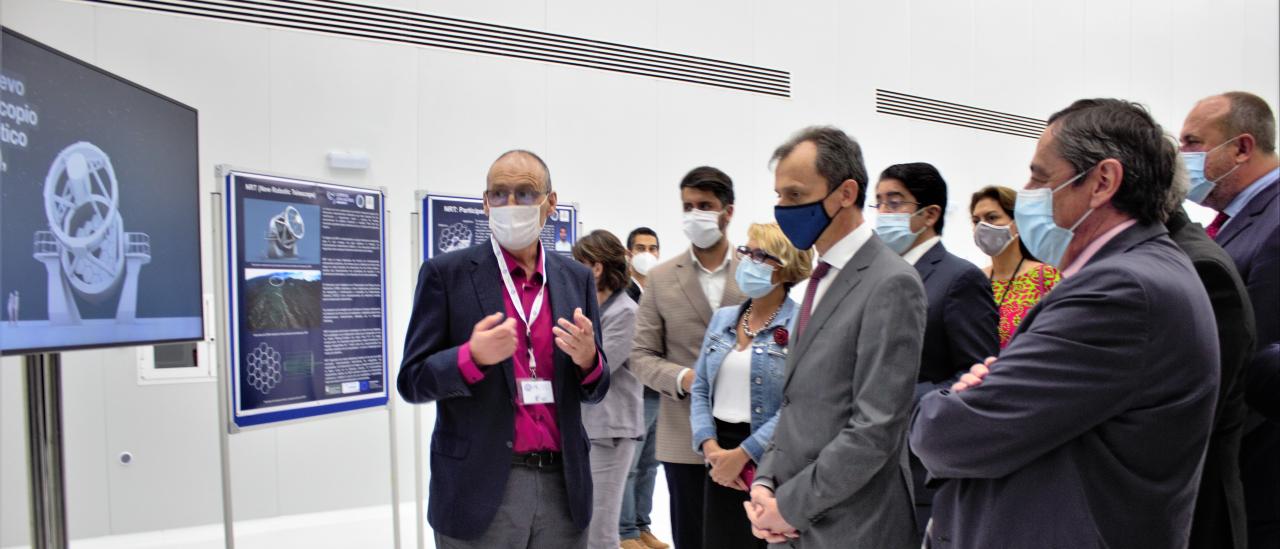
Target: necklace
x,y
1009,288
746,321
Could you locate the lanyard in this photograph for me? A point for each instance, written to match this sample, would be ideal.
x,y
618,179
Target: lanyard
x,y
519,304
1009,288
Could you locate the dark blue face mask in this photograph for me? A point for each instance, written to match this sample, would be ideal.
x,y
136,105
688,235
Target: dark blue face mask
x,y
804,223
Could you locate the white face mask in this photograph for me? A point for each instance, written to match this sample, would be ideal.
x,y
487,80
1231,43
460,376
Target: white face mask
x,y
516,227
642,262
702,228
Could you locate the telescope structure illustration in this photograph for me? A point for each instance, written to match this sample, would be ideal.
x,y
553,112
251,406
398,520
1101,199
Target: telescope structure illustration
x,y
283,233
86,251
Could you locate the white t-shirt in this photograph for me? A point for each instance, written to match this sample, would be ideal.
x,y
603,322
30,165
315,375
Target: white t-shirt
x,y
733,388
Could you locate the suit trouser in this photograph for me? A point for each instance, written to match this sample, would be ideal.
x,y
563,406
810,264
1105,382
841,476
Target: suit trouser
x,y
1260,474
534,515
610,463
685,483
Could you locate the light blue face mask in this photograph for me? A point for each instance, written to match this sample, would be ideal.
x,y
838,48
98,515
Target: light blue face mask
x,y
1200,185
754,279
1034,214
895,230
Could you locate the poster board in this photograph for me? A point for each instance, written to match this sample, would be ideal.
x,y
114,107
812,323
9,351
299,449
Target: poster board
x,y
305,292
451,223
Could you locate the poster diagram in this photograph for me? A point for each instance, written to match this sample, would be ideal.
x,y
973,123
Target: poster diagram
x,y
101,234
451,223
307,298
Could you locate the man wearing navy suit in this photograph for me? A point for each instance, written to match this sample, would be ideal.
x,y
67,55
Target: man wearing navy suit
x,y
503,338
1090,428
1230,143
961,326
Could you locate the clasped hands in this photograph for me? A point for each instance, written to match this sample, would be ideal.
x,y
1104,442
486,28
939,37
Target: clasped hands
x,y
494,339
726,465
766,522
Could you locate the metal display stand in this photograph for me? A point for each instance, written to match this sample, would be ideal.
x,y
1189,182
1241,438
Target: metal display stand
x,y
419,495
226,425
45,471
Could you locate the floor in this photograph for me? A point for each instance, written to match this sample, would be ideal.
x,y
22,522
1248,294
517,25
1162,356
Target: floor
x,y
362,528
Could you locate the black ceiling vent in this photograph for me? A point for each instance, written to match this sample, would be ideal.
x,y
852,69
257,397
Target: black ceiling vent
x,y
945,112
420,29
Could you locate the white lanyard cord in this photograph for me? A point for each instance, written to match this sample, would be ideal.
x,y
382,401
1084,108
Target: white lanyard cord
x,y
519,305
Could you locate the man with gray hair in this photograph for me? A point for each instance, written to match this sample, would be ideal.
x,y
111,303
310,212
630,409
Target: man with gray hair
x,y
836,473
1229,144
1090,428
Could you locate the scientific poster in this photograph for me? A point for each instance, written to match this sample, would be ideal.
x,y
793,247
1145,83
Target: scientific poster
x,y
307,298
453,223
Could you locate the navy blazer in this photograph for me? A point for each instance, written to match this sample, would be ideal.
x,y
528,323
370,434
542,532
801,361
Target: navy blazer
x,y
961,329
963,321
1219,521
1252,239
1091,428
471,445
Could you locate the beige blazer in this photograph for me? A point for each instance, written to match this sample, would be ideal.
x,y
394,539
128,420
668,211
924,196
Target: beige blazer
x,y
670,326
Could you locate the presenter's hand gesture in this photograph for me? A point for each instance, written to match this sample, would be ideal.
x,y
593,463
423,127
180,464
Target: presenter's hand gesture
x,y
577,339
493,340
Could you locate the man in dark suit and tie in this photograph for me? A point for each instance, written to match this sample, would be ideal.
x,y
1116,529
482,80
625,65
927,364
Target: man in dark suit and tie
x,y
1230,143
961,326
1091,427
504,339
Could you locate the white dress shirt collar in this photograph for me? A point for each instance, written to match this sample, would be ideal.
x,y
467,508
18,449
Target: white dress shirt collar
x,y
914,254
843,250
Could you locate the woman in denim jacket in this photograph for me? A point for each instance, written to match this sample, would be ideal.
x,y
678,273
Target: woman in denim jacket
x,y
737,388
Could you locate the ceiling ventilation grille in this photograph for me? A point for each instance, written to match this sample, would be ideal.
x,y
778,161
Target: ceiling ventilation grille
x,y
420,29
945,112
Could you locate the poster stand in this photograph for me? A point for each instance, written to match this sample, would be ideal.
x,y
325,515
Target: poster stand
x,y
227,424
419,494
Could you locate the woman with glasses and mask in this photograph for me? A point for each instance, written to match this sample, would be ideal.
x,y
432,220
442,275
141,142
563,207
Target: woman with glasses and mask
x,y
737,388
614,424
1018,280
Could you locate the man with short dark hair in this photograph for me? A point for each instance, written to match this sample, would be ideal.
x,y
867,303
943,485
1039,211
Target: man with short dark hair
x,y
681,295
1091,427
637,500
963,319
642,256
504,337
836,473
1229,142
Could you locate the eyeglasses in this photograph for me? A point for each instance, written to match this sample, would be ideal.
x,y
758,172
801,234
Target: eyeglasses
x,y
893,205
757,255
525,196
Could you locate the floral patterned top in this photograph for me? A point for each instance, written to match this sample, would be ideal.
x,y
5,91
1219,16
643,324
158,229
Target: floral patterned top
x,y
1015,301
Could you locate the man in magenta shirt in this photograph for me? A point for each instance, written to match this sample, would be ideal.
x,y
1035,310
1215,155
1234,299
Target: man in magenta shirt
x,y
503,337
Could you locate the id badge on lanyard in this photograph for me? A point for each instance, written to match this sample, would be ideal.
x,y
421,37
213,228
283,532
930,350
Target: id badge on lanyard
x,y
529,390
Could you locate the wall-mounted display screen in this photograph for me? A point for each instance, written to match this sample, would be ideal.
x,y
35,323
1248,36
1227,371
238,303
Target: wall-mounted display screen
x,y
99,204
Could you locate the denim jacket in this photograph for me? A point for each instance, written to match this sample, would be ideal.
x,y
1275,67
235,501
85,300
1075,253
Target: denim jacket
x,y
768,370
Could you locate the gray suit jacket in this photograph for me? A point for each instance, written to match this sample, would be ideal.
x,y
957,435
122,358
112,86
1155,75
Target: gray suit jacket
x,y
1092,426
670,326
839,458
621,413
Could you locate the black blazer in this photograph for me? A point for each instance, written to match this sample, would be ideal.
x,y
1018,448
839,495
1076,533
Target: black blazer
x,y
1219,520
635,291
1252,239
963,318
472,441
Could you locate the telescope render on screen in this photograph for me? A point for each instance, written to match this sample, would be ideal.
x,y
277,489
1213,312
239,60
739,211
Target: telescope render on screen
x,y
99,204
